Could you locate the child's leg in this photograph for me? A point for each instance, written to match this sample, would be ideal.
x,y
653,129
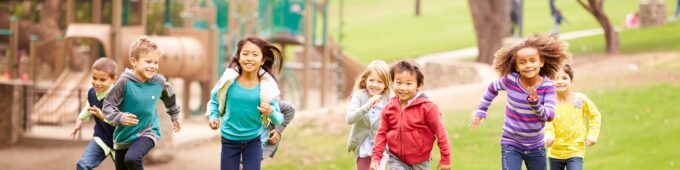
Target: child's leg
x,y
138,149
92,157
363,163
574,163
557,164
511,158
231,154
252,154
120,159
535,159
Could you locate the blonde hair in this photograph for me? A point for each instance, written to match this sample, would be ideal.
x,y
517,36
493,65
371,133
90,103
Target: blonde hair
x,y
144,45
379,67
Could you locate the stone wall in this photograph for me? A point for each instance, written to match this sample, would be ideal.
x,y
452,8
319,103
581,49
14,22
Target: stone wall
x,y
443,74
652,13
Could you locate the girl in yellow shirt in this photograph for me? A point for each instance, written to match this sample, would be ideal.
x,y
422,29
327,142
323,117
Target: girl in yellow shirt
x,y
576,124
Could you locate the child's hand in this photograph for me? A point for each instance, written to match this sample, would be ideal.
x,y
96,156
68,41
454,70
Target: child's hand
x,y
444,167
373,100
533,97
590,142
75,132
265,109
214,124
129,119
274,137
549,142
176,126
374,165
475,122
96,112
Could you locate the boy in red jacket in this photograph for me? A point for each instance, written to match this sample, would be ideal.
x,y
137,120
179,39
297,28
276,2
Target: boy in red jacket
x,y
410,123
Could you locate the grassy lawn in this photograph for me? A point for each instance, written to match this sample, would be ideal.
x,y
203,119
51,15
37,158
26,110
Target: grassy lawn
x,y
388,30
639,132
664,38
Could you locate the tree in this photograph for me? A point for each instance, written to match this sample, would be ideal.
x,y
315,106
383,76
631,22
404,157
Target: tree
x,y
492,23
595,7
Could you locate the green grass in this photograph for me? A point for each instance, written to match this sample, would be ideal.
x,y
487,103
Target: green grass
x,y
639,131
388,29
663,38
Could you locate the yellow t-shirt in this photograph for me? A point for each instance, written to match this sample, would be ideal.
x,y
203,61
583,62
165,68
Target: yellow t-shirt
x,y
574,122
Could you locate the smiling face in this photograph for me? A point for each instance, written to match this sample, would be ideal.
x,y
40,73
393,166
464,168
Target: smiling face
x,y
374,84
101,81
528,62
562,82
405,85
146,66
250,58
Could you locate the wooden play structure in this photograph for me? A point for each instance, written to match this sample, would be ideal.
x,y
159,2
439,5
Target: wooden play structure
x,y
200,50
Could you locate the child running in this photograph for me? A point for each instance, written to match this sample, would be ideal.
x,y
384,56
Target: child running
x,y
568,134
409,124
244,100
526,70
131,105
371,93
103,75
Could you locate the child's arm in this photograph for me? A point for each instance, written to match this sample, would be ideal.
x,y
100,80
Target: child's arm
x,y
380,139
112,102
172,108
275,116
545,110
84,114
434,121
594,121
549,133
288,112
485,102
355,110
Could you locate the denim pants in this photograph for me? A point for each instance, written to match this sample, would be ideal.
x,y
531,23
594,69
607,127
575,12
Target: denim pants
x,y
131,158
248,151
512,158
573,163
92,157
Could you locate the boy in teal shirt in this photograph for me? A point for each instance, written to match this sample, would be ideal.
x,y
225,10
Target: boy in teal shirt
x,y
131,106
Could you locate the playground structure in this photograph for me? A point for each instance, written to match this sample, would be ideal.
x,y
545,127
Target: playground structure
x,y
199,51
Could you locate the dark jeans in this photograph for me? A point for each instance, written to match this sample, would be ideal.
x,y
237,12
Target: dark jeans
x,y
248,151
512,158
573,163
131,158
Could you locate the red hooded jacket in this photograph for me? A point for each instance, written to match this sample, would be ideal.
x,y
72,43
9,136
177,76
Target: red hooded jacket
x,y
410,132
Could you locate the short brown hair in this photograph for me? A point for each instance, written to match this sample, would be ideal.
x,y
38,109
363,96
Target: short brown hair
x,y
106,65
553,52
567,69
408,66
144,45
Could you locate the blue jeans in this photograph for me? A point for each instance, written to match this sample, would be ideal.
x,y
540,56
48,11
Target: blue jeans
x,y
573,163
248,151
131,158
92,157
512,158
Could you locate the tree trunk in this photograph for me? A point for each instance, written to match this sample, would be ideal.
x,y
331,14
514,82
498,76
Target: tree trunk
x,y
492,23
596,8
417,7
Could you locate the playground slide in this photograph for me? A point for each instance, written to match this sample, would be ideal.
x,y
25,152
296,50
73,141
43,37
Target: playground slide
x,y
62,101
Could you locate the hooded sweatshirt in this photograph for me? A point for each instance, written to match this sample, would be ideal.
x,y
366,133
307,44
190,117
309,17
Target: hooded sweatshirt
x,y
410,132
133,96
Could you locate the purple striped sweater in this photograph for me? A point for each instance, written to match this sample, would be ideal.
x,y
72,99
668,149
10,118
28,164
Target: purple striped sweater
x,y
524,122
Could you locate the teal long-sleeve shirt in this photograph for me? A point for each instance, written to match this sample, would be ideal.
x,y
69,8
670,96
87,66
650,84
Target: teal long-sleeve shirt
x,y
242,120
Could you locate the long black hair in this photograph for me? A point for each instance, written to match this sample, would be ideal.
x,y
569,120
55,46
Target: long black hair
x,y
271,56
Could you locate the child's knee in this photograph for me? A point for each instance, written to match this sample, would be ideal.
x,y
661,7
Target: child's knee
x,y
132,159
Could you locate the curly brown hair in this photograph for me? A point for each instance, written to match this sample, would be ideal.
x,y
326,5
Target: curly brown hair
x,y
553,52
